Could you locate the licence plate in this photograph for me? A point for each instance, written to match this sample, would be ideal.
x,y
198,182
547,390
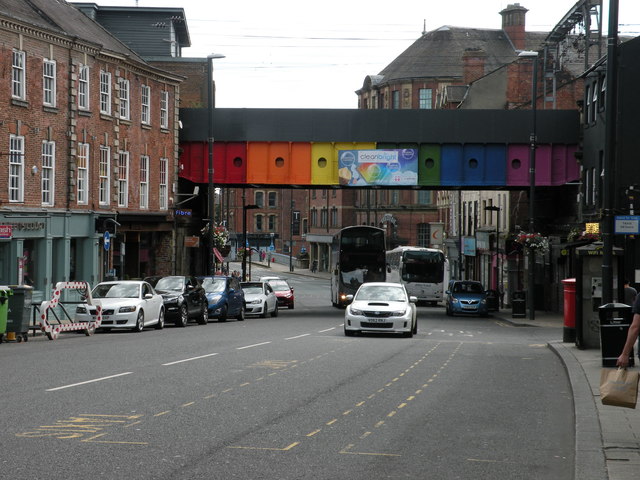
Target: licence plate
x,y
377,320
104,317
468,307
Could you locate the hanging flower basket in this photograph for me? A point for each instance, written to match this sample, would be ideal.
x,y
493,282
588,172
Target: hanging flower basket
x,y
576,236
533,241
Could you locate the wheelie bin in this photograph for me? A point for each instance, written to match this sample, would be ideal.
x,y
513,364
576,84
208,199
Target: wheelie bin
x,y
615,320
5,292
19,313
519,304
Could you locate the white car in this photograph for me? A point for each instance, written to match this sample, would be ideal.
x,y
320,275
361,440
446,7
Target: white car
x,y
382,308
130,304
259,299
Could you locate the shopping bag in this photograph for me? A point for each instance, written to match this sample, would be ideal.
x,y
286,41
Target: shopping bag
x,y
619,387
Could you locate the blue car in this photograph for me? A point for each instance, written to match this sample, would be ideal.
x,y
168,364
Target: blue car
x,y
225,297
467,297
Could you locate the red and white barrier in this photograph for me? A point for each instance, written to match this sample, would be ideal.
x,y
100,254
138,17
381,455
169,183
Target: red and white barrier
x,y
52,331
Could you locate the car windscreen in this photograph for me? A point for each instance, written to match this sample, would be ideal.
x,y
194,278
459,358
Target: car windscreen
x,y
116,290
214,285
279,285
381,293
170,284
252,288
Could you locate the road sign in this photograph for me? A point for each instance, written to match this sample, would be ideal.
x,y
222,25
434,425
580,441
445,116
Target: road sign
x,y
627,224
107,240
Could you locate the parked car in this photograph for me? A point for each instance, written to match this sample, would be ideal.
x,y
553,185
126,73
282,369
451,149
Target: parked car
x,y
130,304
184,299
260,299
225,297
467,297
381,307
282,289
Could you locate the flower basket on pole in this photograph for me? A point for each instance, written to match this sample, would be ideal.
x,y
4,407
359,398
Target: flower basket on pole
x,y
533,241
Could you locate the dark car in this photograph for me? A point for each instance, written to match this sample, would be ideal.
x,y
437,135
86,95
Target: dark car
x,y
466,296
225,297
184,299
283,291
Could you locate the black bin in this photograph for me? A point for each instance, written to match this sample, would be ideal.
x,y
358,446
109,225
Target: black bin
x,y
519,304
615,320
19,314
493,300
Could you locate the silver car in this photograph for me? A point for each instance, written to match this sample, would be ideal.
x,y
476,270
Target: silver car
x,y
381,307
132,304
260,299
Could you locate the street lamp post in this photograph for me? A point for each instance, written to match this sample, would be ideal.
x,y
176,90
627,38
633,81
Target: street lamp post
x,y
211,194
496,267
532,178
244,235
293,204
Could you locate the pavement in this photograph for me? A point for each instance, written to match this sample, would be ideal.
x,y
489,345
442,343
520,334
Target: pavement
x,y
607,438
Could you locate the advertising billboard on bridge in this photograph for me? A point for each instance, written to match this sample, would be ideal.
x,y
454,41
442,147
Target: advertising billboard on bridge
x,y
361,168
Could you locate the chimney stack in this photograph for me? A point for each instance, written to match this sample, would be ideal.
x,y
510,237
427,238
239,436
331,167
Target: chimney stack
x,y
513,23
473,60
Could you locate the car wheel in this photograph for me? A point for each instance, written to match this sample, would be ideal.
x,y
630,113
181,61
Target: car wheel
x,y
203,319
415,327
223,314
183,317
275,311
349,333
448,311
264,312
139,322
291,306
408,334
160,324
240,316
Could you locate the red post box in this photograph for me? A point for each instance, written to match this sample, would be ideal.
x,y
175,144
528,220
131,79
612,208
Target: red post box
x,y
569,328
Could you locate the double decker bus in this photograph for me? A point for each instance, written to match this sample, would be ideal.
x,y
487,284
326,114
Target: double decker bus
x,y
421,270
357,256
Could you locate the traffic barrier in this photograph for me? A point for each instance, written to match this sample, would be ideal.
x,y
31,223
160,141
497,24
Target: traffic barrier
x,y
52,331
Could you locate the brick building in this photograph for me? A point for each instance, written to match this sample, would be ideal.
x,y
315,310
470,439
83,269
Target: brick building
x,y
90,136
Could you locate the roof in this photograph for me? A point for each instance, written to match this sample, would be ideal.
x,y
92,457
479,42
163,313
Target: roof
x,y
439,53
62,18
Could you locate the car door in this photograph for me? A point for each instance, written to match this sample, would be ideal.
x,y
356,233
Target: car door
x,y
235,295
272,300
150,306
194,296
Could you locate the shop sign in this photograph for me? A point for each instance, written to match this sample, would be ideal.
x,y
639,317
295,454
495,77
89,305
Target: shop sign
x,y
6,232
627,224
191,242
469,246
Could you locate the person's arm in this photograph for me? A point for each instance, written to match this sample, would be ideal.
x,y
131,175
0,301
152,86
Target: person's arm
x,y
632,336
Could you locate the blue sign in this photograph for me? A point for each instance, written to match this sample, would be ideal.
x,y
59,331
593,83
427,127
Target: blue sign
x,y
469,246
357,168
627,224
107,240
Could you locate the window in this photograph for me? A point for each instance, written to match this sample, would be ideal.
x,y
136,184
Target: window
x,y
603,93
314,217
83,173
324,193
424,197
125,104
83,87
425,98
144,182
272,222
164,184
395,197
423,234
587,110
105,172
395,99
16,168
105,92
594,101
324,217
258,223
49,83
260,199
272,199
123,179
313,194
334,217
48,165
164,109
18,76
145,99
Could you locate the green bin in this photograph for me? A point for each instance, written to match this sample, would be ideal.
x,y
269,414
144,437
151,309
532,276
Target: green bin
x,y
19,314
5,293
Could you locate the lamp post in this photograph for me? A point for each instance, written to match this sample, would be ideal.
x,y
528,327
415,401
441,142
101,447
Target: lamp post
x,y
244,235
211,193
496,275
293,204
532,178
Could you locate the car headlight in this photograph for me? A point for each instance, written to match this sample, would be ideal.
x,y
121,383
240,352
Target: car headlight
x,y
215,298
81,309
399,313
257,301
483,301
127,309
355,311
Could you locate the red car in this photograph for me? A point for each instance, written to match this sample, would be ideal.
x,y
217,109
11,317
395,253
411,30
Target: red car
x,y
282,289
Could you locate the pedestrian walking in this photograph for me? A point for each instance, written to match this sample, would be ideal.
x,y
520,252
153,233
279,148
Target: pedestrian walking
x,y
632,335
630,293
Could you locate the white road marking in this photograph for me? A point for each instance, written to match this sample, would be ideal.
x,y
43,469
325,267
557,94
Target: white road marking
x,y
328,329
299,336
254,345
88,381
189,359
